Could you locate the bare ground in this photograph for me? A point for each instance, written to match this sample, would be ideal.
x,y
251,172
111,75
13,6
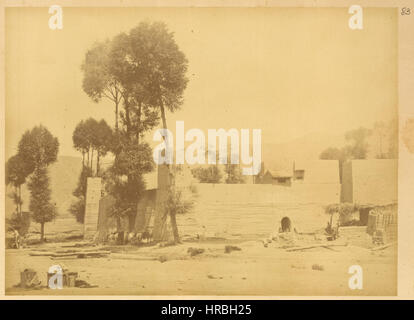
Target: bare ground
x,y
254,270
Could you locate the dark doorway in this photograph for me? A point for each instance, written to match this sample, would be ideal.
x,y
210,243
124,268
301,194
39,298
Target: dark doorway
x,y
286,224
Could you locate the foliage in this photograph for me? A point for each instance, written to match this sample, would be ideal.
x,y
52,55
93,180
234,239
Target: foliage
x,y
77,208
149,65
332,153
17,171
144,71
81,137
210,174
39,149
89,136
345,210
358,147
20,222
98,82
40,198
177,204
82,182
124,179
133,159
380,142
234,174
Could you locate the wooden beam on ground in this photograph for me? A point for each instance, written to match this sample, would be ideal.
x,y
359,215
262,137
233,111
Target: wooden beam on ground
x,y
325,245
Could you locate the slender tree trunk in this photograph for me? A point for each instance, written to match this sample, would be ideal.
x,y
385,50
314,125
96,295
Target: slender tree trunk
x,y
164,120
20,199
127,119
174,228
92,162
17,202
120,239
131,221
139,121
42,231
116,111
88,157
172,215
97,163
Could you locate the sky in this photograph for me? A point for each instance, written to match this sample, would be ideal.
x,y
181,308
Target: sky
x,y
290,72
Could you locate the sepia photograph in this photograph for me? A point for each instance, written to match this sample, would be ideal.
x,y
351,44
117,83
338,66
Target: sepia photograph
x,y
202,151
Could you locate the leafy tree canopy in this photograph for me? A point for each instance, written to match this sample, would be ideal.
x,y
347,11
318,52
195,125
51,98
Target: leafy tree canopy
x,y
38,147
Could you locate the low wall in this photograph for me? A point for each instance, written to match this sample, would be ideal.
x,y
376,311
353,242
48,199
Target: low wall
x,y
245,210
236,210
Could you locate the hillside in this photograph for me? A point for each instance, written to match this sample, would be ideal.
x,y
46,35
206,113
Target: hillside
x,y
307,147
63,179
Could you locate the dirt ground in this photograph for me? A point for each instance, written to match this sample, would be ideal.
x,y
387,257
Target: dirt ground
x,y
253,270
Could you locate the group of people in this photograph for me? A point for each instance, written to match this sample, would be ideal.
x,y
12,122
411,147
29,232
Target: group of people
x,y
116,237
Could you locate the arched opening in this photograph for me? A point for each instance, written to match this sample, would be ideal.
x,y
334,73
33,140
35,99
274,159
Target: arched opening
x,y
286,224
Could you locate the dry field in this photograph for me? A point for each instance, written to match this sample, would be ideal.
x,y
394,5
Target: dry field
x,y
253,270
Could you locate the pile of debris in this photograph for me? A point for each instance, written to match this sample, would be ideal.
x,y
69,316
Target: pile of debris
x,y
72,253
29,279
288,238
382,224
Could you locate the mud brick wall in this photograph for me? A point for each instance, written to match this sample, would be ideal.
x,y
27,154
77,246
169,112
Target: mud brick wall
x,y
246,211
93,195
251,211
372,181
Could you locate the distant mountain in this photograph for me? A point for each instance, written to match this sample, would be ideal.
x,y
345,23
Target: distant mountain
x,y
308,147
64,174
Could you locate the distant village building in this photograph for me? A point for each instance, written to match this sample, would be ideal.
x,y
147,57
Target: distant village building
x,y
281,178
277,173
288,173
316,171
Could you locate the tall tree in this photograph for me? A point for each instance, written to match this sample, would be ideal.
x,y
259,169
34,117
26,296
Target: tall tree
x,y
91,137
149,72
98,82
103,142
77,208
81,141
125,178
358,147
39,149
152,69
16,173
42,209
